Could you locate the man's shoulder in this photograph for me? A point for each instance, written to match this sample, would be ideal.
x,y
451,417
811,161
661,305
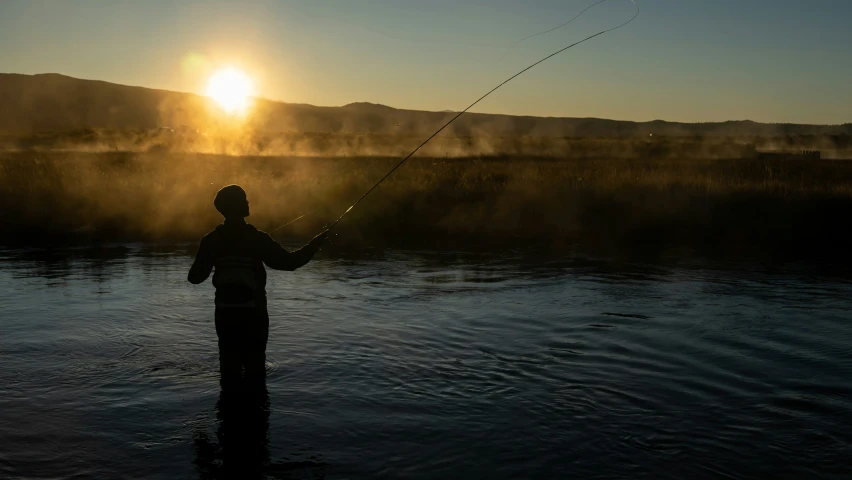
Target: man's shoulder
x,y
250,233
260,234
212,234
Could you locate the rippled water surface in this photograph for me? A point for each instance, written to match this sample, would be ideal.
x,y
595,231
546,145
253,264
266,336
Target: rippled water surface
x,y
420,365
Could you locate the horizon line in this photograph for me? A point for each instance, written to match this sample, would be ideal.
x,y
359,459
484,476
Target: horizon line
x,y
435,111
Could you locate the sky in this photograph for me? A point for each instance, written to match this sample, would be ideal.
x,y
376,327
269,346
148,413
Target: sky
x,y
680,60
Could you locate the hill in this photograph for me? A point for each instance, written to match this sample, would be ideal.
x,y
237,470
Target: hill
x,y
53,102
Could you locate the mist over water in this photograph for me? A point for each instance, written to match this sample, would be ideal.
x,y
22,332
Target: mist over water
x,y
426,364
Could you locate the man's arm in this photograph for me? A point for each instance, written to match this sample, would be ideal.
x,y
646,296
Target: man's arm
x,y
203,264
277,257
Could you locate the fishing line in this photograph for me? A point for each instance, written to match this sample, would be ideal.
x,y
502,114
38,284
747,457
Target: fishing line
x,y
554,28
291,221
474,104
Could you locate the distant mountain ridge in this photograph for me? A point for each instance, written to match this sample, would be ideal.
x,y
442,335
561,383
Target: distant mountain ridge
x,y
54,102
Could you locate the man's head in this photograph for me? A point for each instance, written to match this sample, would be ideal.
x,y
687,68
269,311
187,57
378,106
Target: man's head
x,y
231,202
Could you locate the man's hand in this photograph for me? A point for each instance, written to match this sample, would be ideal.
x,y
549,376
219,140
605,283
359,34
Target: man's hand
x,y
317,241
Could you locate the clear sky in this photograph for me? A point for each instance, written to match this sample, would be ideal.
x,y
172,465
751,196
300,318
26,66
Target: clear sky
x,y
681,60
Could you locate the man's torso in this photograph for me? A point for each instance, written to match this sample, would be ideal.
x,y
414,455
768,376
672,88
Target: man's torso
x,y
239,275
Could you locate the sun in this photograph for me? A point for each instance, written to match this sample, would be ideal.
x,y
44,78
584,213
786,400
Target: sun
x,y
231,89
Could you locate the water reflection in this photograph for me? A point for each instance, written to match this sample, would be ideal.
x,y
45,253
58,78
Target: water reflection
x,y
240,449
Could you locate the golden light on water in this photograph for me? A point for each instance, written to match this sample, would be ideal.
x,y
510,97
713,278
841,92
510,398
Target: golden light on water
x,y
231,89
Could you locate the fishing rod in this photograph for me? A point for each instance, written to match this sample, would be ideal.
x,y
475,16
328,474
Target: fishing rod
x,y
602,32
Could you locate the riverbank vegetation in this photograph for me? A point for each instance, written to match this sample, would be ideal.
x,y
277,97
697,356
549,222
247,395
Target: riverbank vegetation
x,y
648,206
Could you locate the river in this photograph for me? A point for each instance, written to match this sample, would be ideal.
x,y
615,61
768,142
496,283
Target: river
x,y
401,364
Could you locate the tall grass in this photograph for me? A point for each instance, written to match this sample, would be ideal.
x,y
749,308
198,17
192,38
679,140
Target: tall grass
x,y
647,206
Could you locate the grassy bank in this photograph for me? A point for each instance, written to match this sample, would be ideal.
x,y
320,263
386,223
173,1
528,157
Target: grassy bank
x,y
795,209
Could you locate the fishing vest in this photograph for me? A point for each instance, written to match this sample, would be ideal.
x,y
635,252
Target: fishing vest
x,y
235,276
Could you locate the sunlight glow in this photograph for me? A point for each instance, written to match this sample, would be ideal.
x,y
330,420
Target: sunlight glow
x,y
231,89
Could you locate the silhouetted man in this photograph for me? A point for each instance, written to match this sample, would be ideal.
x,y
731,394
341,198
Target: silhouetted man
x,y
238,251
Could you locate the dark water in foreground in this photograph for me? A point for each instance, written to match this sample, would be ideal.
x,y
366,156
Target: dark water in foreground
x,y
421,365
